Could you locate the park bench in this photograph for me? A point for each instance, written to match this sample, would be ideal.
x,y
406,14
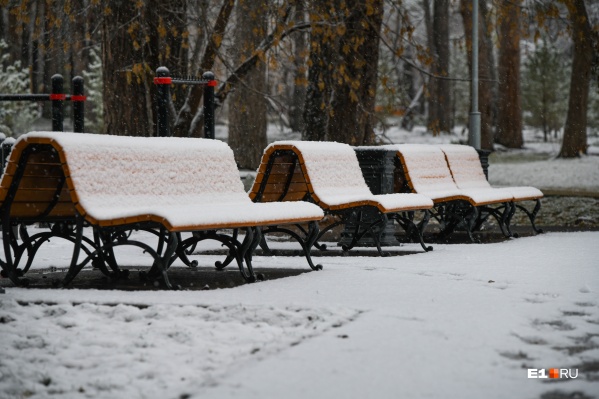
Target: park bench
x,y
328,174
115,185
426,171
467,172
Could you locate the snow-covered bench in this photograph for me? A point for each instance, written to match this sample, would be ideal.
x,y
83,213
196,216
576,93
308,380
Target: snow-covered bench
x,y
426,171
115,184
329,175
468,174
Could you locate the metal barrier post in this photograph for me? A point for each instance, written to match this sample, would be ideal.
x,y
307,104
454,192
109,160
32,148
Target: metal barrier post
x,y
209,104
78,100
57,97
163,82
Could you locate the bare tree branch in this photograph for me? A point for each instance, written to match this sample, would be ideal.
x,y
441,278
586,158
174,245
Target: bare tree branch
x,y
194,97
244,68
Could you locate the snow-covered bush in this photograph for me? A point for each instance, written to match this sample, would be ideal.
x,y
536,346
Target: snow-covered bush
x,y
94,111
15,116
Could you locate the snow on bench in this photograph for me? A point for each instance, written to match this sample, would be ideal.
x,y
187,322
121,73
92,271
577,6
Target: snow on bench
x,y
468,174
426,171
328,174
181,184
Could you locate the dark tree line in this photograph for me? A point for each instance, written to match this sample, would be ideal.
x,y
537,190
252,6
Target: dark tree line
x,y
315,64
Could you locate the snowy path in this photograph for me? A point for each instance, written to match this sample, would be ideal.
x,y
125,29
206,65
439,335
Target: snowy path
x,y
465,321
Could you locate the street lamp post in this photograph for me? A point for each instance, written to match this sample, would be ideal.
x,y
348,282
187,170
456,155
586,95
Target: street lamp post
x,y
474,123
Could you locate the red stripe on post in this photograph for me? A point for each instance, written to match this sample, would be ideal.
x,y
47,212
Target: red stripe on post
x,y
163,81
58,97
211,83
78,98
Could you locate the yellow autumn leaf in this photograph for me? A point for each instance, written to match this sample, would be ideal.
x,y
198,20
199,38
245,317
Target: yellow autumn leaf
x,y
161,29
369,9
217,40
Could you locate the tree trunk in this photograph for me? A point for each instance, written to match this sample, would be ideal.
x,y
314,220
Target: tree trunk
x,y
439,100
48,62
355,78
35,54
2,24
247,107
13,37
298,97
78,32
575,135
25,42
323,51
485,65
127,59
509,112
175,55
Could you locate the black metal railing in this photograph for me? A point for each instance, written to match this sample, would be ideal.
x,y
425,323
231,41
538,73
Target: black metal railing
x,y
163,80
58,97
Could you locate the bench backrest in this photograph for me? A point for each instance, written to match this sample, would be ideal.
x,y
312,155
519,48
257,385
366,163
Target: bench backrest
x,y
112,172
464,164
328,171
425,168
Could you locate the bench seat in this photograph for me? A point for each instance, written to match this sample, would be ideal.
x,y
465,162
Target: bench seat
x,y
115,183
467,172
191,217
426,172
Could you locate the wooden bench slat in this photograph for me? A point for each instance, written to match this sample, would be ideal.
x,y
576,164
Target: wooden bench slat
x,y
36,169
34,209
297,177
28,182
40,195
44,157
286,158
279,168
279,187
271,197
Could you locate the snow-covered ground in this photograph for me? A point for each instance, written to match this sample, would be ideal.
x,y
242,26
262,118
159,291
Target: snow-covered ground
x,y
463,321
